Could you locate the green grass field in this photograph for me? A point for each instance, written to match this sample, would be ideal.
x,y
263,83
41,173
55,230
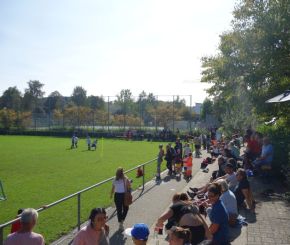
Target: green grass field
x,y
39,170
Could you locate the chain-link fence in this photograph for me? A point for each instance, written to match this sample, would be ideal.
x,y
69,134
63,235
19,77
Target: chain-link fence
x,y
149,113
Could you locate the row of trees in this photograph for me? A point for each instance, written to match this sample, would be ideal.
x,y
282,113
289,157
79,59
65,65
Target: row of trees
x,y
17,110
252,65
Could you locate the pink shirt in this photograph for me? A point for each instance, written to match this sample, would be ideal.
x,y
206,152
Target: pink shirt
x,y
88,236
27,238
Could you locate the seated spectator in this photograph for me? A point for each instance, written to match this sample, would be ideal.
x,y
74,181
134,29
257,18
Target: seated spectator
x,y
266,157
179,236
218,216
229,200
243,191
26,236
17,224
96,232
215,152
139,233
253,148
187,216
230,178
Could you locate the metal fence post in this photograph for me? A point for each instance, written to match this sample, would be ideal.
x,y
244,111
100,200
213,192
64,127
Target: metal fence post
x,y
143,178
79,211
1,236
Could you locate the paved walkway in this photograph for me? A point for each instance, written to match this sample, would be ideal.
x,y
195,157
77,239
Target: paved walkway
x,y
270,224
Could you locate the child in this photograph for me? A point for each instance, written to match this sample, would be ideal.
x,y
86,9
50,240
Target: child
x,y
94,145
89,143
139,172
188,163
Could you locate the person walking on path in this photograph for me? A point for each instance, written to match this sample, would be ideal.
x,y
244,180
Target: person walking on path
x,y
96,232
159,161
121,185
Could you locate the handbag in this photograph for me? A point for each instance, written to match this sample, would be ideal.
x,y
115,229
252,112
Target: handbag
x,y
128,199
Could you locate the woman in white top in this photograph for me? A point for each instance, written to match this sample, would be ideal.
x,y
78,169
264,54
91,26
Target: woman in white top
x,y
121,184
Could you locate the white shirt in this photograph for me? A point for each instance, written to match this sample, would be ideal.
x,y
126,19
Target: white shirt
x,y
232,181
119,185
187,150
229,200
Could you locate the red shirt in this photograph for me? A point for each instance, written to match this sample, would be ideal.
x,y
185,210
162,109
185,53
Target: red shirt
x,y
15,226
254,146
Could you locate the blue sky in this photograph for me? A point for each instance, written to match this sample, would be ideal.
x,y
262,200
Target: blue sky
x,y
109,45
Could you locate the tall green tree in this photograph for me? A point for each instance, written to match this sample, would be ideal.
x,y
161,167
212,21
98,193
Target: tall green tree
x,y
53,102
79,96
253,61
11,99
32,95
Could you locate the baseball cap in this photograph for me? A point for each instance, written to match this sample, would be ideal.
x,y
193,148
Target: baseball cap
x,y
138,231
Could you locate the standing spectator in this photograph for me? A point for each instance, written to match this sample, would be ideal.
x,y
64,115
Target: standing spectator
x,y
169,158
96,232
159,161
121,184
186,150
139,233
26,236
17,224
179,236
218,216
89,142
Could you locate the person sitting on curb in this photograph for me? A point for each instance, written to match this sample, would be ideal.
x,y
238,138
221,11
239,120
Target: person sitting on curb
x,y
243,191
26,236
218,216
266,157
230,178
179,236
230,202
139,233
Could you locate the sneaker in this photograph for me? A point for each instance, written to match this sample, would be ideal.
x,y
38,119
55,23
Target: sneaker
x,y
193,189
191,195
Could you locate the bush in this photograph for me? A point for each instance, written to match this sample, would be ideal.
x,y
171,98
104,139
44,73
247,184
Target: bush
x,y
280,139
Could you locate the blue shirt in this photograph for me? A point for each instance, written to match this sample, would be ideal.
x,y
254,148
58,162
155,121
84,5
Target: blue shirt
x,y
267,150
220,216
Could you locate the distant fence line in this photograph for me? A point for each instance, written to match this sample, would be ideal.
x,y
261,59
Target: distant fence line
x,y
173,112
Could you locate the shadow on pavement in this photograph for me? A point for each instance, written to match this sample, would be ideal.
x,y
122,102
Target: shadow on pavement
x,y
234,232
118,238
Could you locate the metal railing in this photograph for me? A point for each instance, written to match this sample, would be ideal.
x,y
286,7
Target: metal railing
x,y
78,195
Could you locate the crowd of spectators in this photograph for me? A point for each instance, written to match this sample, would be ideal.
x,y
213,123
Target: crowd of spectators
x,y
220,200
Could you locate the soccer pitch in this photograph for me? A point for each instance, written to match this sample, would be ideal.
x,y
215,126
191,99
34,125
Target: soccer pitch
x,y
36,171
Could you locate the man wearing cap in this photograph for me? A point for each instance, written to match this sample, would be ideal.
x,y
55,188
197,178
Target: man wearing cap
x,y
139,233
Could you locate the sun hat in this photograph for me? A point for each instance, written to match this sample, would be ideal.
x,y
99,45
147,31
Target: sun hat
x,y
138,231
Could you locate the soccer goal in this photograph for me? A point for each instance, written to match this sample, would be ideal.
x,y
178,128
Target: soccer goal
x,y
2,194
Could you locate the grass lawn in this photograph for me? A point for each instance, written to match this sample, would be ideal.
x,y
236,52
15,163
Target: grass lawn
x,y
39,170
